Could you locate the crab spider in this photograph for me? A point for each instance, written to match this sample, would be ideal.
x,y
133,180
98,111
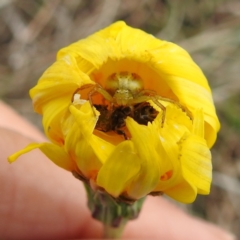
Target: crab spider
x,y
126,89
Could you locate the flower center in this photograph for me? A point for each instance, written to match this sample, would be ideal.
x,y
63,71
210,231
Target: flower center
x,y
113,119
126,97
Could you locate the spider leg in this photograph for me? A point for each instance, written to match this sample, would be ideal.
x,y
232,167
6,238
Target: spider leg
x,y
99,89
154,99
189,114
79,89
157,97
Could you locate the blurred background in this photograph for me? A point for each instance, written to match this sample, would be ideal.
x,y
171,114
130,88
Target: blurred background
x,y
31,32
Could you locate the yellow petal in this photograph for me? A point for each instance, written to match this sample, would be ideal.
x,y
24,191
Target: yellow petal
x,y
86,122
119,169
86,159
60,80
170,61
198,123
91,53
184,192
195,96
176,124
145,142
84,118
78,146
52,151
53,113
138,45
196,163
112,43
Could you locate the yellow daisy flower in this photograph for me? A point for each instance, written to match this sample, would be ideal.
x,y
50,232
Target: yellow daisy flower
x,y
165,122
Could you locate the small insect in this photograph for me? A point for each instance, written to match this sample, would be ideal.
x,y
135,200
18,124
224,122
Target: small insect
x,y
115,120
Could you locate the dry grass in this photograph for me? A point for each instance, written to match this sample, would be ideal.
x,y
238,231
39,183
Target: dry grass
x,y
32,31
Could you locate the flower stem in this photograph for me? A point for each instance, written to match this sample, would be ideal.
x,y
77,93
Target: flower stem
x,y
113,213
113,232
